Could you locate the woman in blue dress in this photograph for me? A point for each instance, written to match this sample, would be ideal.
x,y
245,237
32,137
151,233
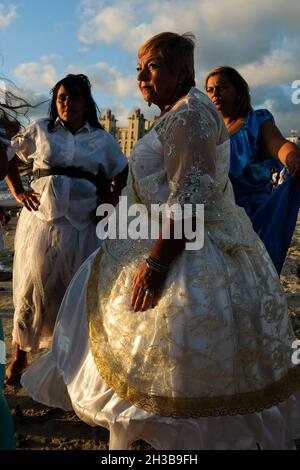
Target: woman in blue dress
x,y
257,148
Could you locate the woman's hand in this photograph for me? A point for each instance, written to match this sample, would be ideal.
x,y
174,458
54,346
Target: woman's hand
x,y
146,288
276,145
29,199
293,164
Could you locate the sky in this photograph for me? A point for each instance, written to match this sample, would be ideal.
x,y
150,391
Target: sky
x,y
43,40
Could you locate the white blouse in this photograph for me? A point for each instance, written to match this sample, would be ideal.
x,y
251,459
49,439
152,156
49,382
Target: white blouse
x,y
90,148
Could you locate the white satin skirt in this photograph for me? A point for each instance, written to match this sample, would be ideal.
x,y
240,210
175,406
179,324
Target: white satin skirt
x,y
67,377
47,255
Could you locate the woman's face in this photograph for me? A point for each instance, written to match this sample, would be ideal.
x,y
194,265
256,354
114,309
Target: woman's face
x,y
222,93
157,84
71,110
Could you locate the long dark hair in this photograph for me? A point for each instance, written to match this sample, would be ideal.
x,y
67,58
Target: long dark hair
x,y
12,108
240,85
76,85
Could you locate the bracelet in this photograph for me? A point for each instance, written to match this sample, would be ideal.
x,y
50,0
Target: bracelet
x,y
155,266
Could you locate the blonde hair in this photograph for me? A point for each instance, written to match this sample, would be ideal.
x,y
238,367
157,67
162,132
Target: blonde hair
x,y
178,53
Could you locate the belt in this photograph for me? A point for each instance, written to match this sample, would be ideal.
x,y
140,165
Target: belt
x,y
71,171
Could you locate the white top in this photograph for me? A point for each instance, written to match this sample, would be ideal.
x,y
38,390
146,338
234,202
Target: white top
x,y
90,148
2,352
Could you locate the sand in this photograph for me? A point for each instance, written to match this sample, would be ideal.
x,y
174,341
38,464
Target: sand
x,y
41,428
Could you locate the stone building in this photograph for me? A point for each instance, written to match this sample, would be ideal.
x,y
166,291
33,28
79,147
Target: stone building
x,y
294,137
126,136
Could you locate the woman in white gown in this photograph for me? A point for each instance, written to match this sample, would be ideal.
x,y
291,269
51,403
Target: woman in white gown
x,y
73,160
186,349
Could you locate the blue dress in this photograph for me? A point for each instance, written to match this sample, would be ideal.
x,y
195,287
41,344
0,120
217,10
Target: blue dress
x,y
250,169
273,214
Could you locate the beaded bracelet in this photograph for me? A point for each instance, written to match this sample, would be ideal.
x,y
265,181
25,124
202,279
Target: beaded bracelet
x,y
158,267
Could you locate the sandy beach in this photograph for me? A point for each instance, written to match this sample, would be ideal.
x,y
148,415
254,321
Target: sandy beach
x,y
41,428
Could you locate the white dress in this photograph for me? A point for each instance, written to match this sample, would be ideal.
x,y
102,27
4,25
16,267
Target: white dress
x,y
51,243
210,366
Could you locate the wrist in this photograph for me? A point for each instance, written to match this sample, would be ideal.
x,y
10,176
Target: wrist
x,y
156,265
19,194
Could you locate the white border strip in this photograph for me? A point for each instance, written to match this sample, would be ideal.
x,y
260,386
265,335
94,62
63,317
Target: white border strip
x,y
2,352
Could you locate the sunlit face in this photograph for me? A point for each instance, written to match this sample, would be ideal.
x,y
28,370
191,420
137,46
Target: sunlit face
x,y
222,93
71,110
157,84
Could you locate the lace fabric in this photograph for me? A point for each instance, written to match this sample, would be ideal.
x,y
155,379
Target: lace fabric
x,y
219,341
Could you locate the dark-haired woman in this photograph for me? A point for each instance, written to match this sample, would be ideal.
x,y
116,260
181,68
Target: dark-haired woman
x,y
73,158
258,147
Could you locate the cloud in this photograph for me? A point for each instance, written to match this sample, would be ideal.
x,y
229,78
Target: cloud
x,y
226,32
280,66
108,80
38,74
278,100
38,103
259,38
106,26
128,27
7,18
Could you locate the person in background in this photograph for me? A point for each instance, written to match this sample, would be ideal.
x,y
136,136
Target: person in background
x,y
8,126
7,438
74,160
257,148
183,347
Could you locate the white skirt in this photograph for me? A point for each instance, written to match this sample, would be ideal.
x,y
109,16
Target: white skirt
x,y
67,377
47,255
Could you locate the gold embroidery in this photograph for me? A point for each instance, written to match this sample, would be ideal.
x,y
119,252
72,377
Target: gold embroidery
x,y
219,341
144,376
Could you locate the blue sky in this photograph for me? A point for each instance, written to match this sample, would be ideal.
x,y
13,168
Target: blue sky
x,y
42,40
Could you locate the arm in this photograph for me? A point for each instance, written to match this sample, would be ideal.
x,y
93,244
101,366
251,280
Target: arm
x,y
276,145
8,128
3,161
164,251
190,168
28,199
117,185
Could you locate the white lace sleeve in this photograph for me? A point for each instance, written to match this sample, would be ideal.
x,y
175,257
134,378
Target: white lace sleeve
x,y
190,140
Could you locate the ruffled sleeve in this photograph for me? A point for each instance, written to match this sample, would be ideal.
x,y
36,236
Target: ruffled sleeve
x,y
24,143
111,160
245,143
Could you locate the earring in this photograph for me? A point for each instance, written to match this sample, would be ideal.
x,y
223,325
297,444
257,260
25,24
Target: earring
x,y
149,104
